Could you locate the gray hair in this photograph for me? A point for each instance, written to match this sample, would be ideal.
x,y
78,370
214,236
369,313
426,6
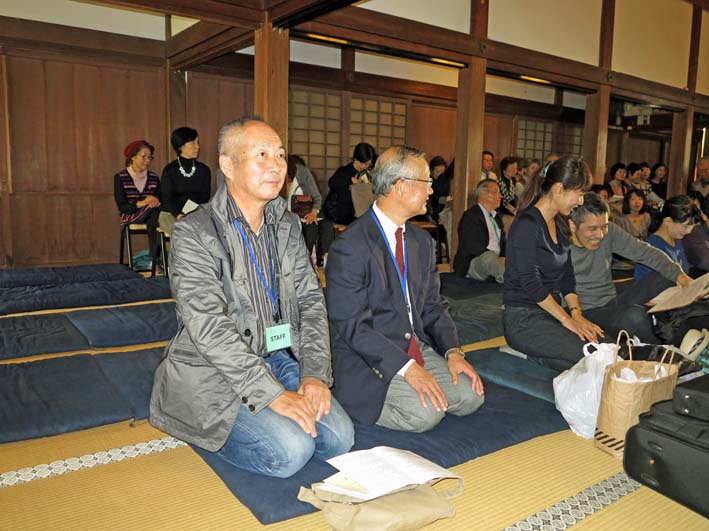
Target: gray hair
x,y
392,166
483,185
592,204
233,127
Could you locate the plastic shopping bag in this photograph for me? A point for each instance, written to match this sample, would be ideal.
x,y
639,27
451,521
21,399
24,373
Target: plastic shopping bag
x,y
577,391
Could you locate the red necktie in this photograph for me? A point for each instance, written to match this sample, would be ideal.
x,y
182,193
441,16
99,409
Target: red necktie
x,y
414,351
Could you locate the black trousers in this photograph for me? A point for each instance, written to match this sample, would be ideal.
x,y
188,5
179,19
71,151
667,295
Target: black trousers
x,y
323,231
628,311
538,334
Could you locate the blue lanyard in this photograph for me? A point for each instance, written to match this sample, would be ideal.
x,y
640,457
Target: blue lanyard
x,y
402,279
271,291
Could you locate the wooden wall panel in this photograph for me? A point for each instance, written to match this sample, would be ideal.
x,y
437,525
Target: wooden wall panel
x,y
431,128
498,136
69,121
212,101
28,123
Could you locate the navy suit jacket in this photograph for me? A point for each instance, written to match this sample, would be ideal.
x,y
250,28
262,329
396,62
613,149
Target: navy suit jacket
x,y
369,325
473,238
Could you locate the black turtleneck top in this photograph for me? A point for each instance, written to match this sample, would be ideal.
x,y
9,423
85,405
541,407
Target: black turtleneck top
x,y
177,189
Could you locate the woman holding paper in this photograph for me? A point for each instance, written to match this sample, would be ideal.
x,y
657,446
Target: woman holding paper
x,y
184,179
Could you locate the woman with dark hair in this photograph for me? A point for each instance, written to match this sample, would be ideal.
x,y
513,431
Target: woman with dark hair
x,y
304,199
539,273
617,180
507,180
185,178
636,218
678,218
658,179
338,206
136,191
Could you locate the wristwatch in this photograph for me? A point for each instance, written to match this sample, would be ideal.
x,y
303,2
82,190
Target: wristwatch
x,y
454,351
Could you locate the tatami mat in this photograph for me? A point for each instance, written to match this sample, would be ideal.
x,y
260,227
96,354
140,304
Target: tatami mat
x,y
176,490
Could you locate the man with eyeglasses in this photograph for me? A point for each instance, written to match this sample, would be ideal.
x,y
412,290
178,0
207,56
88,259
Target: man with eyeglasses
x,y
396,354
481,237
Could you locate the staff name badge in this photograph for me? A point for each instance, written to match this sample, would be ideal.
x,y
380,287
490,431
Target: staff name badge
x,y
278,337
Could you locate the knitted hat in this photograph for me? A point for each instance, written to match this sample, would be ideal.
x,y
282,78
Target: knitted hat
x,y
132,149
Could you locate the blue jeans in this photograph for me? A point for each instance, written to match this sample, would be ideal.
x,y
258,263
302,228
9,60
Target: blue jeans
x,y
273,445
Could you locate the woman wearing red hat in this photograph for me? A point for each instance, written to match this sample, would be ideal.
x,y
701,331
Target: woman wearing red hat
x,y
137,191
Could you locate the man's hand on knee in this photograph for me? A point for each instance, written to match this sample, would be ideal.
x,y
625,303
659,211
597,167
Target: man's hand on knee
x,y
424,384
318,394
297,408
458,364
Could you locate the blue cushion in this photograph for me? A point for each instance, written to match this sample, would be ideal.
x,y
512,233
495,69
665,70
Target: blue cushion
x,y
131,376
508,417
477,318
514,372
455,287
53,396
126,325
28,335
95,293
10,278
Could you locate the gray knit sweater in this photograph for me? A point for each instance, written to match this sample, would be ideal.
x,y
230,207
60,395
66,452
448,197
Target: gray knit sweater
x,y
594,282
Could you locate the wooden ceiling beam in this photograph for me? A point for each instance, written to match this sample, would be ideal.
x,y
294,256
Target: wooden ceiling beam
x,y
230,13
362,28
222,43
289,13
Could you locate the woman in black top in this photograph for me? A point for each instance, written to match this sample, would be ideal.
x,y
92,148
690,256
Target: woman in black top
x,y
338,206
539,273
184,178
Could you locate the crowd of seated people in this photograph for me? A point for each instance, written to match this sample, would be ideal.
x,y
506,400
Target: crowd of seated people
x,y
384,332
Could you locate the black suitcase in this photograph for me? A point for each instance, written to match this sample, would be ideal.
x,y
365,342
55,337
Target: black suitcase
x,y
670,454
692,398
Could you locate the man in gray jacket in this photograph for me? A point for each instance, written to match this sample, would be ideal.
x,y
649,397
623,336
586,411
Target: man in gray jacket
x,y
595,240
249,371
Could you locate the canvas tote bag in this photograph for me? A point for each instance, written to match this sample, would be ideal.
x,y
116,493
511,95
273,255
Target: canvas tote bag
x,y
403,510
622,401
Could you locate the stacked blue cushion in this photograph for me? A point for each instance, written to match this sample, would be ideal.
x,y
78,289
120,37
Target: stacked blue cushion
x,y
95,293
60,395
126,325
11,278
29,335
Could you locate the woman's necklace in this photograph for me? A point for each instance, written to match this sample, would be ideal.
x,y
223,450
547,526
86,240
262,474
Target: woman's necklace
x,y
185,174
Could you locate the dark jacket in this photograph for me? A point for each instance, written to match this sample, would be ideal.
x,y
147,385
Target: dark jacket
x,y
338,206
369,324
214,363
473,238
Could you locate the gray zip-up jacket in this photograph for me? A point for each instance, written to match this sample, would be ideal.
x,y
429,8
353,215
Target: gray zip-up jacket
x,y
214,364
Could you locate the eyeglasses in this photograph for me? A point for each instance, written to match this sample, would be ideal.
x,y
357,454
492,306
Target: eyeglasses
x,y
429,181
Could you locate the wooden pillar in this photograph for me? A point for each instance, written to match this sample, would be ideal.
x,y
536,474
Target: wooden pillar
x,y
680,149
6,245
605,48
470,118
595,131
272,54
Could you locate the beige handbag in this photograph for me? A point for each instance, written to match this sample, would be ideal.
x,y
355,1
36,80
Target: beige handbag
x,y
403,510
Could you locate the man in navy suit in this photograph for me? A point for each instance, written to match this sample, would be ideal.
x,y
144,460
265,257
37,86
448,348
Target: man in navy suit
x,y
397,360
481,236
